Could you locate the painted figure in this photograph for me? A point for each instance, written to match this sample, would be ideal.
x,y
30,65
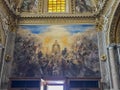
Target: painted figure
x,y
29,5
82,6
56,48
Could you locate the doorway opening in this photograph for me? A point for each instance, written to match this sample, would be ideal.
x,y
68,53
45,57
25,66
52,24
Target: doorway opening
x,y
55,87
53,84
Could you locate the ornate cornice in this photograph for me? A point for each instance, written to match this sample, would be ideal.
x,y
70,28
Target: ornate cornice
x,y
56,20
31,15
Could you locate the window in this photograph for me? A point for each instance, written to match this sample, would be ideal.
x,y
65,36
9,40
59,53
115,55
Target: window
x,y
56,6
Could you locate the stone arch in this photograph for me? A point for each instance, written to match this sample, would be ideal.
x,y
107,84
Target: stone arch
x,y
114,34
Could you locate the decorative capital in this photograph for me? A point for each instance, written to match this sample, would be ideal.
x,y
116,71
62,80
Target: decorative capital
x,y
99,24
12,25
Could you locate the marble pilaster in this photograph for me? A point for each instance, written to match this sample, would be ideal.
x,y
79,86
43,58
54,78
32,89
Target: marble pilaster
x,y
114,69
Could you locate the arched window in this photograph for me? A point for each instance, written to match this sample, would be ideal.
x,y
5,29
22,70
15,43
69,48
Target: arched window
x,y
56,6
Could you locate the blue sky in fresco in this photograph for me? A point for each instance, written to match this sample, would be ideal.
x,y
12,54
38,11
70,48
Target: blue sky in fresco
x,y
37,29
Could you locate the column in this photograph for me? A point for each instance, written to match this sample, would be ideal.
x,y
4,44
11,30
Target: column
x,y
114,67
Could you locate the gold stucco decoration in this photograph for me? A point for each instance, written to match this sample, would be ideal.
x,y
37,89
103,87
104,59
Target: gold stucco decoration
x,y
8,58
103,57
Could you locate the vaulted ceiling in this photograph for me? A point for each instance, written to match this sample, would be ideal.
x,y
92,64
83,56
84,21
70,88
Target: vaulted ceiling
x,y
16,5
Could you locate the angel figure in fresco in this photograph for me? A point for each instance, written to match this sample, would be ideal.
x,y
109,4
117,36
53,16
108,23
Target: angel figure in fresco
x,y
82,6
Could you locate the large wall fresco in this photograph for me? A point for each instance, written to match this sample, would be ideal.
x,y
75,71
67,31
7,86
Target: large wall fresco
x,y
56,51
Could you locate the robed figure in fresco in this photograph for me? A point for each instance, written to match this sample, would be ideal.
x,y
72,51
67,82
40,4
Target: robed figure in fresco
x,y
56,48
